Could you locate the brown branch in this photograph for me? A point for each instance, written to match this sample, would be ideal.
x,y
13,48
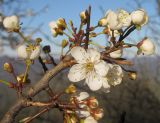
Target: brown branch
x,y
35,89
88,27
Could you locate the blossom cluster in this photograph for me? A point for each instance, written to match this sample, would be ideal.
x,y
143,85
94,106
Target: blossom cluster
x,y
88,109
96,72
100,67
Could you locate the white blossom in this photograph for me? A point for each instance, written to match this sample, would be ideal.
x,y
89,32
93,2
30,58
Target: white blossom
x,y
139,17
11,22
90,120
124,17
146,47
89,67
28,54
112,20
116,54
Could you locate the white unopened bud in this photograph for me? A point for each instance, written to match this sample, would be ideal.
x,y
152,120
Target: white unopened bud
x,y
139,17
116,54
11,23
146,46
22,52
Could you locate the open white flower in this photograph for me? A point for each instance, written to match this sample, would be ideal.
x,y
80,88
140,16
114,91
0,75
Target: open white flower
x,y
116,54
89,67
28,54
124,17
139,17
90,120
53,26
112,20
11,22
146,47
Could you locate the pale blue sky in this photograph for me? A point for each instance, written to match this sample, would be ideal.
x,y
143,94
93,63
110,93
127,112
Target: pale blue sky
x,y
70,9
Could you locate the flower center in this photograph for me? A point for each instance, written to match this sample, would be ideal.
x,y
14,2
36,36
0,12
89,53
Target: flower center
x,y
89,66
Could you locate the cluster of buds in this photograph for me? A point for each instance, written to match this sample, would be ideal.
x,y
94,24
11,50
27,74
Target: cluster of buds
x,y
57,27
120,19
19,83
87,111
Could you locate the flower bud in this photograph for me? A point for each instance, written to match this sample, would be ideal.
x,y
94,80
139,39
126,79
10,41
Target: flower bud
x,y
139,17
146,46
116,54
61,23
71,89
102,22
22,52
64,43
132,75
11,23
8,67
97,113
92,102
83,17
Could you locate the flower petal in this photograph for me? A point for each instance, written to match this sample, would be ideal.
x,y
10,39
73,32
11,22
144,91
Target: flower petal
x,y
82,114
94,81
101,68
77,73
105,83
93,54
22,53
115,75
90,120
79,54
35,53
82,96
